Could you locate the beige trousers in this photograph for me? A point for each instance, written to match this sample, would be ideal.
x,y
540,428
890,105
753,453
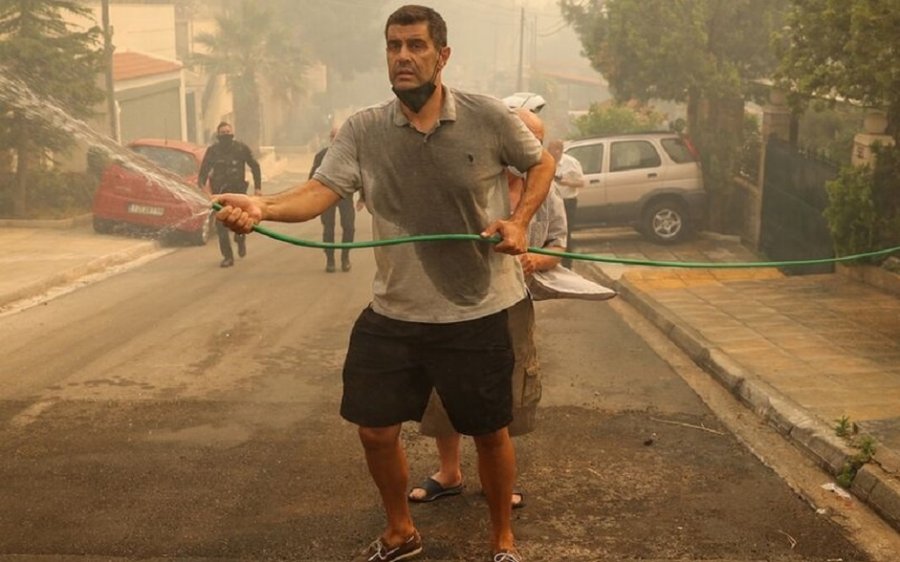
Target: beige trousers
x,y
526,379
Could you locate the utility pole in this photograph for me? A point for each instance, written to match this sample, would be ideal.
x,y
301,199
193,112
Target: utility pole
x,y
519,81
108,49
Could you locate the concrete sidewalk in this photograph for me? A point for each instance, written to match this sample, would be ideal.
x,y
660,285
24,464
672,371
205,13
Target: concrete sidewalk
x,y
803,351
39,256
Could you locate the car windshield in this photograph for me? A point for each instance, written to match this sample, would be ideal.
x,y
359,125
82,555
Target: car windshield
x,y
170,159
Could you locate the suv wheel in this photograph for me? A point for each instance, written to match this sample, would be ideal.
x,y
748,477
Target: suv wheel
x,y
665,222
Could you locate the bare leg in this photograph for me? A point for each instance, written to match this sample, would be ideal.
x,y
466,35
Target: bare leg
x,y
387,465
497,468
449,474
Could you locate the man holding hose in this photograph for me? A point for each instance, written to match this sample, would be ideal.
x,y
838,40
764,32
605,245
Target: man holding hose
x,y
432,161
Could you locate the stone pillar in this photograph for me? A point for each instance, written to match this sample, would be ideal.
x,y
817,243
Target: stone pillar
x,y
874,126
776,121
776,118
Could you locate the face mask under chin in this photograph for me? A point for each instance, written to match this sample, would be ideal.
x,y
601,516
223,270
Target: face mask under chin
x,y
416,98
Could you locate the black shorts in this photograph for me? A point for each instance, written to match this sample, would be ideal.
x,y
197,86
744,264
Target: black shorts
x,y
392,366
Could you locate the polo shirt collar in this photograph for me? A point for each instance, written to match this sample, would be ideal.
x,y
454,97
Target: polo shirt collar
x,y
448,109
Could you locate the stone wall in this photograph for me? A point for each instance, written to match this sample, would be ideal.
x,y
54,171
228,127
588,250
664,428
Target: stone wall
x,y
745,211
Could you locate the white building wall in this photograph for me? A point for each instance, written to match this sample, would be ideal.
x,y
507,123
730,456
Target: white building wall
x,y
151,29
145,28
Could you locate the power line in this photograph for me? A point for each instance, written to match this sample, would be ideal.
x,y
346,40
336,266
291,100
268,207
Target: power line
x,y
562,25
507,10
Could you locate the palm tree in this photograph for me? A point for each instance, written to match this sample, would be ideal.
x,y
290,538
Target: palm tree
x,y
253,49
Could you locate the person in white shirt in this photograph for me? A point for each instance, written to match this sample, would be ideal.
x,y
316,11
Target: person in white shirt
x,y
569,178
546,279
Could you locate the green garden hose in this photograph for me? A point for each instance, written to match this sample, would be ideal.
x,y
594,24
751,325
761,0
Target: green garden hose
x,y
584,257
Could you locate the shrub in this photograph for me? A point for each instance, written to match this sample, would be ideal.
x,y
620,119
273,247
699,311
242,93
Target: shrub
x,y
829,131
617,120
864,205
54,195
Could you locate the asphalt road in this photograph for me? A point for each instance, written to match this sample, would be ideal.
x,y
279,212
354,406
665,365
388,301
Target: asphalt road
x,y
179,410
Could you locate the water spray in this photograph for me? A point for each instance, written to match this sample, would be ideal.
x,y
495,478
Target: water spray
x,y
18,95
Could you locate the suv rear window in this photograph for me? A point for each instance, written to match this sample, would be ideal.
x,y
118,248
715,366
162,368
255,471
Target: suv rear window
x,y
677,150
632,155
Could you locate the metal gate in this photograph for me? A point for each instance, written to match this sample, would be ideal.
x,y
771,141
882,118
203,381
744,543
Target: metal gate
x,y
794,198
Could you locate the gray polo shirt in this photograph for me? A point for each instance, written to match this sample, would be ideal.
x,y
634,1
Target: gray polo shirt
x,y
449,181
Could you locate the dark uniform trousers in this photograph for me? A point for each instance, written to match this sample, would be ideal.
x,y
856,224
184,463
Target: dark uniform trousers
x,y
348,221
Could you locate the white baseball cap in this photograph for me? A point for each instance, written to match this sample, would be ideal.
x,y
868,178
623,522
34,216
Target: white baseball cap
x,y
526,100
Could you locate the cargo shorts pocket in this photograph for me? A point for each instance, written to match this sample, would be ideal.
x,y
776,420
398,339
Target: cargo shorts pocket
x,y
529,391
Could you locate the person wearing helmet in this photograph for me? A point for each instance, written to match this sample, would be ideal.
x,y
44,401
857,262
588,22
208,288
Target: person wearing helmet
x,y
525,100
546,230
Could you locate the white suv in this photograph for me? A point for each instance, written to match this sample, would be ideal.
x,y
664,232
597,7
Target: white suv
x,y
651,181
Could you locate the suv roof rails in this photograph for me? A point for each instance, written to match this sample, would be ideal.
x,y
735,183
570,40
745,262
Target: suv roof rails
x,y
608,135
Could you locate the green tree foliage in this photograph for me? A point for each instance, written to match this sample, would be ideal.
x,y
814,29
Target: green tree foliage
x,y
851,214
836,48
829,131
57,62
617,119
702,52
863,211
253,48
676,49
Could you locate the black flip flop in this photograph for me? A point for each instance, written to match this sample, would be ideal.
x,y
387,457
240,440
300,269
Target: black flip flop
x,y
434,490
521,495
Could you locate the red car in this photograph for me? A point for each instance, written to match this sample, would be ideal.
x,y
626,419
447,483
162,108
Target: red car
x,y
162,197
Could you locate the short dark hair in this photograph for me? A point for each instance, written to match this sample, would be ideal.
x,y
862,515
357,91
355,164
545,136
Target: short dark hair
x,y
222,124
412,14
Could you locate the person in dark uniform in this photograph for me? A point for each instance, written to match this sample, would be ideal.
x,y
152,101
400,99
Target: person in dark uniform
x,y
223,165
348,219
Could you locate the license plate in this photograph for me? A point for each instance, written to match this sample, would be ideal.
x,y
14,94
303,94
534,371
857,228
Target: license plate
x,y
145,210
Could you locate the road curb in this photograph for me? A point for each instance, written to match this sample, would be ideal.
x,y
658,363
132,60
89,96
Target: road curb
x,y
873,485
95,265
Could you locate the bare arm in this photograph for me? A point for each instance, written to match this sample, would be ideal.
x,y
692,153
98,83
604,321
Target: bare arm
x,y
298,204
539,262
514,230
537,185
